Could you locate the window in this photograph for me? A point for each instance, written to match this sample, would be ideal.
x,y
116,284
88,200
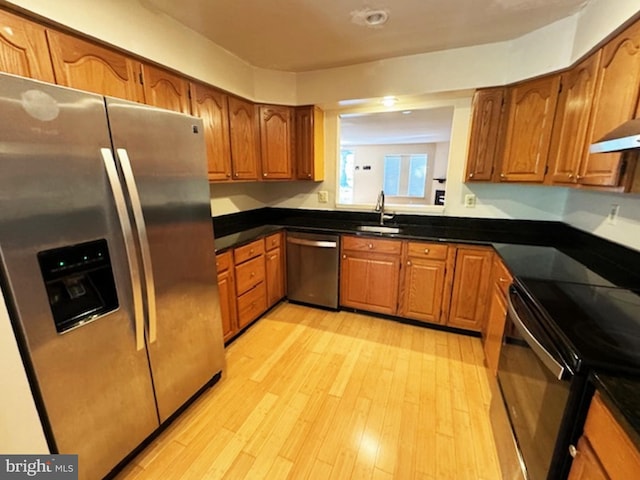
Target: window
x,y
345,193
405,175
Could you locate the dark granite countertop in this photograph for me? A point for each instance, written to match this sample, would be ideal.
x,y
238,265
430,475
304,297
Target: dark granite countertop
x,y
622,396
511,238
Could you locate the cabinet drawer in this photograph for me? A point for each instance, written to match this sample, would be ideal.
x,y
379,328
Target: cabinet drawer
x,y
252,304
249,274
614,448
223,261
365,244
246,252
435,251
273,241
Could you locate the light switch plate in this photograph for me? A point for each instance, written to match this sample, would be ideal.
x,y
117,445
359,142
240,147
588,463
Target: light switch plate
x,y
323,196
470,200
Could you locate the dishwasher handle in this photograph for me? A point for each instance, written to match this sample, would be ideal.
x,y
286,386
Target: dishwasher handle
x,y
312,243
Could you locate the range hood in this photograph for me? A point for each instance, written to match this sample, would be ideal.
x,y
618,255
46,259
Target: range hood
x,y
624,137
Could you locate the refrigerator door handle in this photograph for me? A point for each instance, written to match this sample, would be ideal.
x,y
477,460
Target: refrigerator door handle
x,y
125,225
136,206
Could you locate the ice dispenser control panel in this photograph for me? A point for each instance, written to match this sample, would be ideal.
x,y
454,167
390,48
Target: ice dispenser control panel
x,y
79,282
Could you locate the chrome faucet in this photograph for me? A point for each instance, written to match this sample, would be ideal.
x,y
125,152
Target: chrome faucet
x,y
380,208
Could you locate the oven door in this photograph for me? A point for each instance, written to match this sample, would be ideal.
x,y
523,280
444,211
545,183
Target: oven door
x,y
535,386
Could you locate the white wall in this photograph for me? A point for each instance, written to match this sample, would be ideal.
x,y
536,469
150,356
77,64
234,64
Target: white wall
x,y
20,429
588,211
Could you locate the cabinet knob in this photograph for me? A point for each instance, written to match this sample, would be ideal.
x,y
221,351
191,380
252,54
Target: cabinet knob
x,y
253,274
251,252
502,280
571,175
264,174
370,245
409,262
573,451
235,174
228,175
578,177
502,175
344,256
426,250
471,175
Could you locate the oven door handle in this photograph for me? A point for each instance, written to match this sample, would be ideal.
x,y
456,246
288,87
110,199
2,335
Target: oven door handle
x,y
551,363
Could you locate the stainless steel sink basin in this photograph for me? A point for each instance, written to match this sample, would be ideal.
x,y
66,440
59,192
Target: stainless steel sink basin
x,y
377,229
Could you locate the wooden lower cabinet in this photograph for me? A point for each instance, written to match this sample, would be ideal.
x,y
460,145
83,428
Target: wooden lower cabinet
x,y
423,281
274,265
604,451
369,274
496,314
470,287
227,291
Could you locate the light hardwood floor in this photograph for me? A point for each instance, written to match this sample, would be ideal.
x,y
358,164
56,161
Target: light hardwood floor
x,y
321,395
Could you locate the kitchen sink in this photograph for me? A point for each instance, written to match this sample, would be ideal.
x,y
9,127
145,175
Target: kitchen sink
x,y
377,229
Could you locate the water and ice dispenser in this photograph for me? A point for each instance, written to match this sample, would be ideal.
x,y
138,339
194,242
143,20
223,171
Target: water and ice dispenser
x,y
79,282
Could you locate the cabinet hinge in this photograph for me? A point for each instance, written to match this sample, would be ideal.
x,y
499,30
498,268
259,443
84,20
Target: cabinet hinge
x,y
141,78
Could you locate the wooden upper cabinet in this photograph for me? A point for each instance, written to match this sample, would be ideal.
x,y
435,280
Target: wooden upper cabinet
x,y
485,132
470,287
615,102
569,144
531,108
165,90
244,139
308,143
212,106
275,141
86,66
23,48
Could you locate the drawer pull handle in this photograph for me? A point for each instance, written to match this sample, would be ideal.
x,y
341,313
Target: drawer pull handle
x,y
370,245
251,252
426,250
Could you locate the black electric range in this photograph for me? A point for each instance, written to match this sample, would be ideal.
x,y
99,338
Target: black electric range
x,y
596,321
564,321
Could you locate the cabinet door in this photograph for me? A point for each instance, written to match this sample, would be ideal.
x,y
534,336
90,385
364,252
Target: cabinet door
x,y
86,66
615,102
165,90
228,310
531,110
485,129
422,289
212,106
585,465
23,48
309,143
470,288
275,276
244,139
569,140
275,142
370,281
496,319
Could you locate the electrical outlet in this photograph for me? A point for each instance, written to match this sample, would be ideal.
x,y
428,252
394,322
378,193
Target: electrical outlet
x,y
470,200
612,218
323,196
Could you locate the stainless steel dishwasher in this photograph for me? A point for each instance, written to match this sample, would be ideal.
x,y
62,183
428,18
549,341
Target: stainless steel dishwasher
x,y
312,268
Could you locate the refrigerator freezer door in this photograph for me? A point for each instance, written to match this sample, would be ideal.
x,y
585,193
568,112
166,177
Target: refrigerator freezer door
x,y
95,387
166,152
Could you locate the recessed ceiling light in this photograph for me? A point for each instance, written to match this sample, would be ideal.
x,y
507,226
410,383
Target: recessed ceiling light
x,y
370,18
407,112
375,18
389,101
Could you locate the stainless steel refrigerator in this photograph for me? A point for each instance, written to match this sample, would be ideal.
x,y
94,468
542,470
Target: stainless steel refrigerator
x,y
107,264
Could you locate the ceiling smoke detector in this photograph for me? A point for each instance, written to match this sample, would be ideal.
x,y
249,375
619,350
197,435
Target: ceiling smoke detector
x,y
370,18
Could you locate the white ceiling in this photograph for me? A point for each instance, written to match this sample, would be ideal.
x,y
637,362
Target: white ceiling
x,y
304,35
417,126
